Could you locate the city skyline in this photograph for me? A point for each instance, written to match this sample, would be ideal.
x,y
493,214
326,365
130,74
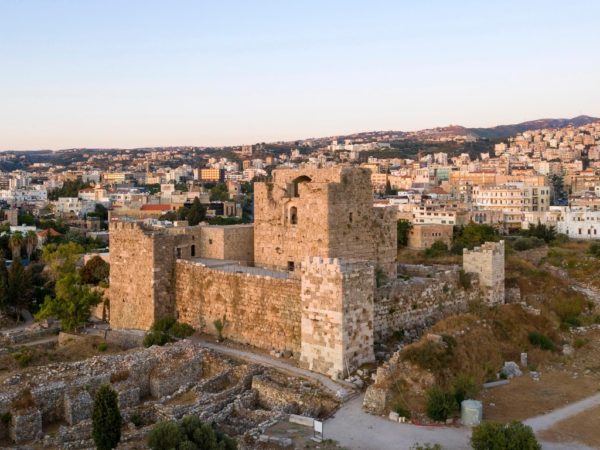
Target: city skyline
x,y
141,74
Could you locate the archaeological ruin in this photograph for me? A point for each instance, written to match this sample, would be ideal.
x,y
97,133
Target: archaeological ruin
x,y
315,274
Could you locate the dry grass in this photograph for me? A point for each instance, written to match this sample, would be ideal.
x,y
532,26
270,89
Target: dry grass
x,y
524,398
583,427
574,259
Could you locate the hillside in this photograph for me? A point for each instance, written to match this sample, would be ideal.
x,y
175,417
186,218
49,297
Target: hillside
x,y
504,131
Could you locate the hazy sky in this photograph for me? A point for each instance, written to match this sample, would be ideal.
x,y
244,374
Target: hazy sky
x,y
127,73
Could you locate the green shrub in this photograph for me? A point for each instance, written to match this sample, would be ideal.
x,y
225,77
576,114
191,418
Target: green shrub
x,y
464,280
496,436
181,330
167,330
594,249
426,446
165,436
220,326
438,248
441,404
579,342
23,356
5,418
106,419
190,434
527,243
464,387
402,410
136,419
102,346
541,341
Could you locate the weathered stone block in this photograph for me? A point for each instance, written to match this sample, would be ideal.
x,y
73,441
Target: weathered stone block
x,y
129,397
78,407
165,381
25,425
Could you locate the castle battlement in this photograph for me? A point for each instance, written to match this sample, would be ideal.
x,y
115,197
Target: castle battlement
x,y
487,262
494,248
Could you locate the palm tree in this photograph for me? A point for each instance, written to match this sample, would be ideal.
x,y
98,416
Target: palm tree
x,y
15,243
31,241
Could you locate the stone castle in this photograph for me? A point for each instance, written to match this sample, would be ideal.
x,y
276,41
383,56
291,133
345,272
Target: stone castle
x,y
316,273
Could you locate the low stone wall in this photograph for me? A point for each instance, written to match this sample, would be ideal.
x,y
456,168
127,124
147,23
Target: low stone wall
x,y
259,310
416,302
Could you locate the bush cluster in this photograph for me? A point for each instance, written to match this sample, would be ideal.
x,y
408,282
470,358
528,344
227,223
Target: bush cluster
x,y
167,330
443,403
438,248
542,341
527,243
497,436
190,434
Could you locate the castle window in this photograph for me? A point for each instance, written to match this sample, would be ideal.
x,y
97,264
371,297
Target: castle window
x,y
294,215
350,217
294,187
210,241
290,266
193,250
178,253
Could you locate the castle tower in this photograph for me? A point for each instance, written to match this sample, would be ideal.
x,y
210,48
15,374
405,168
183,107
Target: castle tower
x,y
487,262
321,212
336,315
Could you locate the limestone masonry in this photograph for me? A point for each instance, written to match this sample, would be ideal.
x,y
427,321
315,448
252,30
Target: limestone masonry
x,y
316,273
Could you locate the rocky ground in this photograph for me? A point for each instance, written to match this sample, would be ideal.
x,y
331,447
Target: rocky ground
x,y
50,406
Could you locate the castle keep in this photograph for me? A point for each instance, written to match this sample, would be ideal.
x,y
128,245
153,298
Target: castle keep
x,y
304,277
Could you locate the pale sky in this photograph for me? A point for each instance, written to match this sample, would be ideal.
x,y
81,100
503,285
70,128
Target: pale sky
x,y
132,73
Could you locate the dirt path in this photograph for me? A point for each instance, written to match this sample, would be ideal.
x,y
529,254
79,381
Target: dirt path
x,y
546,421
338,389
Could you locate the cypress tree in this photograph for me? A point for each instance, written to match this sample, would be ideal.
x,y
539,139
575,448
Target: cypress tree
x,y
106,419
3,285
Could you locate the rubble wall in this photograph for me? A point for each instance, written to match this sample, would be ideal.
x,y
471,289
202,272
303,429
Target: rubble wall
x,y
259,310
415,302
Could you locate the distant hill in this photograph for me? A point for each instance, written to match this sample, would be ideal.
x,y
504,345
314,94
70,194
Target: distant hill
x,y
504,131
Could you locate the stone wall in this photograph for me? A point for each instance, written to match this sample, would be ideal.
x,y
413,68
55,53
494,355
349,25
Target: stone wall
x,y
487,262
232,242
321,212
337,315
423,235
420,298
263,311
142,286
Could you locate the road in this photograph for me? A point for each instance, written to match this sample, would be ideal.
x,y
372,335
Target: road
x,y
355,429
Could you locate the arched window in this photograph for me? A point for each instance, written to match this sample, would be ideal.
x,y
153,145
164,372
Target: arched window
x,y
296,182
294,215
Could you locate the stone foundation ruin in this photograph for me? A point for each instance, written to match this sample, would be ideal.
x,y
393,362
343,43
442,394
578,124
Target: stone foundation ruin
x,y
52,405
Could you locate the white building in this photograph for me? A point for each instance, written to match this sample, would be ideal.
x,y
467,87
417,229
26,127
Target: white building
x,y
579,223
